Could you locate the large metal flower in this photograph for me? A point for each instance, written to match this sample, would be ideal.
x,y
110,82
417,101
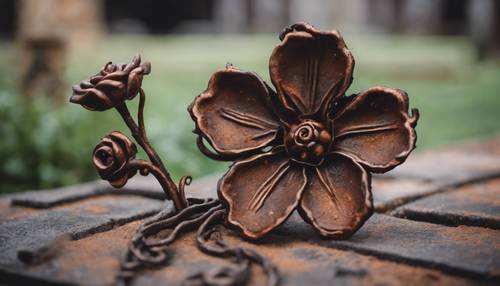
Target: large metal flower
x,y
306,146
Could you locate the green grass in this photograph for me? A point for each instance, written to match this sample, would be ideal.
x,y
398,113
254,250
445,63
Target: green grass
x,y
458,98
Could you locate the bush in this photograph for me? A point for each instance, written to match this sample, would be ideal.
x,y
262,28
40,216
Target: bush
x,y
44,145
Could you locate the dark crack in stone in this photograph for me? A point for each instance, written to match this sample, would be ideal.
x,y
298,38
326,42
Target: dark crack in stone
x,y
474,205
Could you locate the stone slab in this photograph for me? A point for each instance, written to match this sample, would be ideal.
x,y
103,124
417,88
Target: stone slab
x,y
49,198
475,205
95,260
138,185
391,193
387,192
387,250
39,229
463,250
452,165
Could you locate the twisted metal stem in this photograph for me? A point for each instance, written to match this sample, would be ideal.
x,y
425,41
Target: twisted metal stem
x,y
146,167
139,134
140,114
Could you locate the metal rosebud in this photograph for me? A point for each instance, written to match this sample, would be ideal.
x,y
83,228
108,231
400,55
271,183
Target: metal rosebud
x,y
111,156
114,84
308,142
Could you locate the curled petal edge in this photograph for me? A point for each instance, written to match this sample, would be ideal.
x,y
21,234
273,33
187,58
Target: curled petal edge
x,y
200,130
411,117
91,99
305,28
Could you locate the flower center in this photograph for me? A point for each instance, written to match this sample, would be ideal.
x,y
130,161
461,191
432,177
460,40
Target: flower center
x,y
304,134
104,157
308,142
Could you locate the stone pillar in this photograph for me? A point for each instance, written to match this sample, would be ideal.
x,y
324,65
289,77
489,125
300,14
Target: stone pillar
x,y
350,15
47,31
231,16
422,16
386,16
269,16
342,15
315,12
484,27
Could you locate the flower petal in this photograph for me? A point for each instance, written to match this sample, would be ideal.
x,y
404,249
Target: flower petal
x,y
262,192
95,79
310,68
337,200
126,144
109,84
134,82
102,166
146,68
233,114
135,62
376,128
92,99
117,76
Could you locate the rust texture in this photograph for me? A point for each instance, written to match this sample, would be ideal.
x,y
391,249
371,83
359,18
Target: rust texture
x,y
305,145
148,247
114,155
114,158
385,251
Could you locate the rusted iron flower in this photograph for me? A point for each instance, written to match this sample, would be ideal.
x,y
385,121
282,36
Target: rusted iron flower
x,y
306,146
111,157
114,84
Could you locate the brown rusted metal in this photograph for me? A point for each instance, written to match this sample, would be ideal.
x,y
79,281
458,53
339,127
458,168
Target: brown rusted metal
x,y
115,160
111,157
114,84
242,257
306,146
144,250
114,155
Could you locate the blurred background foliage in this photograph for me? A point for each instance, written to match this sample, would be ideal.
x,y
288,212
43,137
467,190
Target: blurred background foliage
x,y
45,144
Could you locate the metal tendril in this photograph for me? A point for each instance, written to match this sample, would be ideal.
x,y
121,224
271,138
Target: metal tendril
x,y
239,272
276,139
143,250
115,160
